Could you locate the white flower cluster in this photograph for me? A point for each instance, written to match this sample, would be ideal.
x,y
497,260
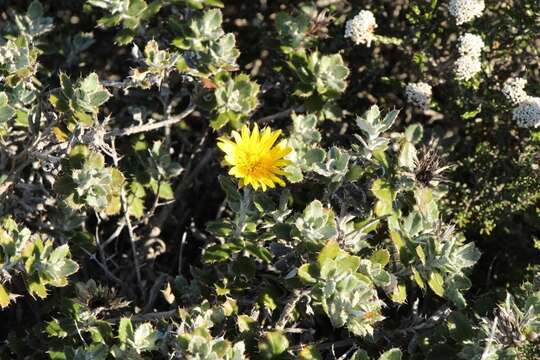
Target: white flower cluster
x,y
514,90
470,45
466,10
418,94
466,67
361,28
527,113
469,63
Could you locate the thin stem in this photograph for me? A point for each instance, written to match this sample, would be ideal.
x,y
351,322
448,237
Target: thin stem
x,y
107,272
154,292
153,126
163,315
125,209
289,308
181,253
132,240
281,114
328,345
487,349
102,255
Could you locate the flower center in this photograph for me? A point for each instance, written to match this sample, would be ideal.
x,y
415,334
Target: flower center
x,y
253,163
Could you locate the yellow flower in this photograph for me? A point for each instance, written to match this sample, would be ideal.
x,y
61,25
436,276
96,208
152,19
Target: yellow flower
x,y
253,157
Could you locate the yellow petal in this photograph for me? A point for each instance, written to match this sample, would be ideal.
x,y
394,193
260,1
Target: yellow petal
x,y
245,134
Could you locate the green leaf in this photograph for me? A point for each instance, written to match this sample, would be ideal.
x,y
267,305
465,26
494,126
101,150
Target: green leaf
x,y
6,111
260,252
399,295
414,133
268,300
144,338
113,205
219,253
310,353
37,287
215,3
468,255
35,9
56,329
294,173
424,200
210,25
472,113
328,252
348,263
314,156
197,4
436,283
331,74
383,192
360,355
165,191
273,344
220,120
117,179
307,273
70,267
125,330
135,206
407,155
392,354
4,297
124,37
67,85
381,256
59,254
418,279
109,21
246,323
95,161
96,94
3,99
292,30
421,255
219,228
215,255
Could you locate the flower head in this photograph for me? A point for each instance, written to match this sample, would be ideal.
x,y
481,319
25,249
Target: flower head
x,y
470,45
253,157
418,94
470,62
466,10
514,90
527,113
466,67
361,28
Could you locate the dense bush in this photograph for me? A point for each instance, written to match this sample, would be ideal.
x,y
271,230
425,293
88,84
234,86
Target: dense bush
x,y
206,179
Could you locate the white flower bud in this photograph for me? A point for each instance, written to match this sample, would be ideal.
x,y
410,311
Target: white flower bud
x,y
470,63
418,94
466,10
514,90
361,28
527,113
470,45
466,67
